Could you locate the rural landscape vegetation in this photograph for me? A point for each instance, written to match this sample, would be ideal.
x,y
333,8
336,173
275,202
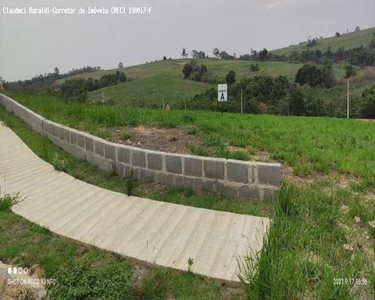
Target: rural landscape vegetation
x,y
294,107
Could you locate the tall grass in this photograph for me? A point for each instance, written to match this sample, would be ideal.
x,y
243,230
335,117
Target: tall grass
x,y
303,252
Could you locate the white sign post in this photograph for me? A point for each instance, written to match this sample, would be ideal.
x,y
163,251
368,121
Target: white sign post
x,y
222,92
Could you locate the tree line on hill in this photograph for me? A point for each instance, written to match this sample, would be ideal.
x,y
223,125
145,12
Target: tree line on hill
x,y
265,94
44,83
359,56
77,89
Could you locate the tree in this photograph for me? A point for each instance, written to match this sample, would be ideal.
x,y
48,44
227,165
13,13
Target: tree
x,y
120,65
367,107
184,53
337,34
57,71
201,54
357,29
216,52
194,53
231,77
263,55
349,71
316,76
75,89
296,103
225,55
164,57
188,68
312,42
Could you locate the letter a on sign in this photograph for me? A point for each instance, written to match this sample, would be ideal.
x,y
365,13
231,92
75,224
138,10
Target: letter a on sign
x,y
222,92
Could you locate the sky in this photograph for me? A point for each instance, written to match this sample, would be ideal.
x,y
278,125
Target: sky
x,y
32,44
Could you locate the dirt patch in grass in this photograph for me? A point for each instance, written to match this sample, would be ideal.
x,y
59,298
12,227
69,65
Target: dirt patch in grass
x,y
367,120
342,180
172,140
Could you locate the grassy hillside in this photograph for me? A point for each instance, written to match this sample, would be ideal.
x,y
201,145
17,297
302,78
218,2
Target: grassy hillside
x,y
152,82
348,41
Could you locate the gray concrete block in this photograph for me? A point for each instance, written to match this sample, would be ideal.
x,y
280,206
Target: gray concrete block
x,y
110,150
67,134
139,158
269,174
81,140
73,137
122,170
99,147
78,152
89,143
166,179
184,182
267,195
53,129
123,154
246,191
155,161
237,171
225,189
45,126
143,175
173,164
201,184
61,133
214,168
193,167
100,162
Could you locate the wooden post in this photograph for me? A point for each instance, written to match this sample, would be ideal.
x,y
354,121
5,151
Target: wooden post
x,y
347,100
241,102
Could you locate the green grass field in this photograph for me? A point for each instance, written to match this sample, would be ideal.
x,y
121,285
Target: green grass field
x,y
315,248
347,41
305,143
153,82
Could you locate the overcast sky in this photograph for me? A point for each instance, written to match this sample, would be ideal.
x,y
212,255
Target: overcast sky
x,y
35,44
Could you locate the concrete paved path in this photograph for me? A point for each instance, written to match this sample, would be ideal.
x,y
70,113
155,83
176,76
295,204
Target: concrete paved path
x,y
146,230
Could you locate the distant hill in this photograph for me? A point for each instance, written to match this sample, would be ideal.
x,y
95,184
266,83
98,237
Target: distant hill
x,y
348,41
153,82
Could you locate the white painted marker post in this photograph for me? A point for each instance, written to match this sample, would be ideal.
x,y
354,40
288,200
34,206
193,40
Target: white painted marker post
x,y
222,92
222,95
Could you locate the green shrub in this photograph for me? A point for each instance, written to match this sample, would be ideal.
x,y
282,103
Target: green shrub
x,y
59,163
130,183
367,106
254,68
127,135
7,201
95,276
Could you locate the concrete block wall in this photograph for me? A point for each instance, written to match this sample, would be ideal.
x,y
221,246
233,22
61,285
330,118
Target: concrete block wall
x,y
229,177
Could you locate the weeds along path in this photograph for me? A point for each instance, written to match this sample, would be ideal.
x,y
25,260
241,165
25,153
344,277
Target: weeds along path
x,y
148,231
